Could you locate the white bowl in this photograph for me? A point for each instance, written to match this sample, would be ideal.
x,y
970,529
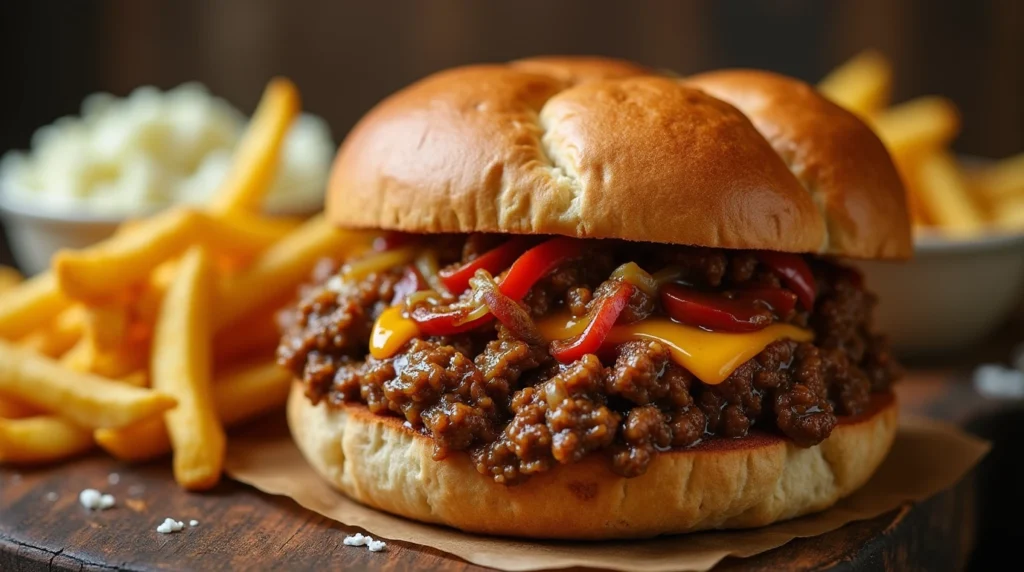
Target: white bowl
x,y
953,293
35,234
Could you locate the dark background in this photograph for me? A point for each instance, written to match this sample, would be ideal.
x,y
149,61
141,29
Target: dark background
x,y
345,56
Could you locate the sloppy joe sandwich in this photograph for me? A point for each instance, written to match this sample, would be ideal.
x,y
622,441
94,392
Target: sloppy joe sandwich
x,y
604,303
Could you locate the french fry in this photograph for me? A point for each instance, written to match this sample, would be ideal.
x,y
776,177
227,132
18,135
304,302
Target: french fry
x,y
243,235
103,340
256,158
944,194
123,364
1010,215
277,271
39,342
862,85
42,439
181,365
80,357
108,348
115,363
85,399
265,230
72,319
147,304
9,278
138,378
30,305
105,271
60,336
140,442
106,325
920,125
255,332
1001,181
238,397
163,275
45,342
246,393
11,408
909,168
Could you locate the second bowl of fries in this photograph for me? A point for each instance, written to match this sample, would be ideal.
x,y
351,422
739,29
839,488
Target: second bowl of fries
x,y
967,275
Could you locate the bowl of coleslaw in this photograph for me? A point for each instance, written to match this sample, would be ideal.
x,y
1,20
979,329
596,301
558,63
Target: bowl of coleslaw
x,y
127,157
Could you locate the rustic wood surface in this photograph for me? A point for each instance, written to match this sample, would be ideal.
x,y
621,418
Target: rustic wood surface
x,y
43,527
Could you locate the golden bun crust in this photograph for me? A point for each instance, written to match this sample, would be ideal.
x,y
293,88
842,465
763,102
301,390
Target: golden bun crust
x,y
832,153
599,148
742,483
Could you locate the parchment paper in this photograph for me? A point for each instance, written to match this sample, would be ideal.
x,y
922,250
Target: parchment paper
x,y
926,458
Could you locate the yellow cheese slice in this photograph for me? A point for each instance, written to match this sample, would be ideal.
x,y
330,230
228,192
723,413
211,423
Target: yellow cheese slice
x,y
390,332
710,356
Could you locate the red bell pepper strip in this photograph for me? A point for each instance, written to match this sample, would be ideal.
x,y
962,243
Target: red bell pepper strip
x,y
527,269
537,263
794,272
781,301
452,320
456,280
713,311
508,311
411,281
602,320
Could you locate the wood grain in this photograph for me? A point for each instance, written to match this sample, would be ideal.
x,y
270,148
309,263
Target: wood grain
x,y
239,528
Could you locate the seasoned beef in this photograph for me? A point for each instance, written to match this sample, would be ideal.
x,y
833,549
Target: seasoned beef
x,y
517,411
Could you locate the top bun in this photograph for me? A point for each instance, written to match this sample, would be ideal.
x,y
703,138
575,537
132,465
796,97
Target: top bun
x,y
601,148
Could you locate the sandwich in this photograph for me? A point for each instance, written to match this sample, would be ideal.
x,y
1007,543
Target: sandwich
x,y
603,302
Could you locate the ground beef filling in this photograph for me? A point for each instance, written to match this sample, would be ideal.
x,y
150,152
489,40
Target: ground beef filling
x,y
518,412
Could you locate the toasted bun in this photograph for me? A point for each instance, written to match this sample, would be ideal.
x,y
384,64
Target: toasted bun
x,y
599,148
742,483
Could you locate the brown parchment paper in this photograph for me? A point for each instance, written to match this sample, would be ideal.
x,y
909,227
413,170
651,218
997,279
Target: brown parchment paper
x,y
926,458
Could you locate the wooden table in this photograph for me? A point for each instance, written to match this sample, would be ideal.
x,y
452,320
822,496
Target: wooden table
x,y
42,525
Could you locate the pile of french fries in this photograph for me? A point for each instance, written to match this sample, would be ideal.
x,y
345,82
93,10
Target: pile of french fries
x,y
156,339
945,194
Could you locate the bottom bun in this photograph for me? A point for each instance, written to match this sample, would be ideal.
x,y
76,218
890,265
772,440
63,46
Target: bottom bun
x,y
723,483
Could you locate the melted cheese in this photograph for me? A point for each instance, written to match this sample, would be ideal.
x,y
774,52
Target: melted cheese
x,y
561,326
390,332
710,356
